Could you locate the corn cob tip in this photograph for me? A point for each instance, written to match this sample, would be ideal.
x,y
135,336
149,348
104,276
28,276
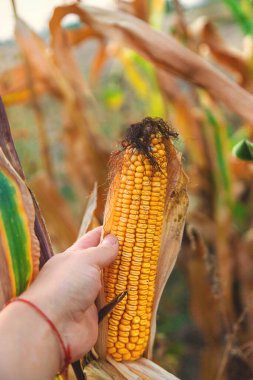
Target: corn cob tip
x,y
140,135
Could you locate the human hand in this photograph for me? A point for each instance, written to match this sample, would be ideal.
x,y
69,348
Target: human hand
x,y
68,285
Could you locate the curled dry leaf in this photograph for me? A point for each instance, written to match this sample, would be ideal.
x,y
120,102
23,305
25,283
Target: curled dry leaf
x,y
165,53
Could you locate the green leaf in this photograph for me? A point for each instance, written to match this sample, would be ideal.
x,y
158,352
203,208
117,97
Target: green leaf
x,y
244,150
242,12
19,246
220,141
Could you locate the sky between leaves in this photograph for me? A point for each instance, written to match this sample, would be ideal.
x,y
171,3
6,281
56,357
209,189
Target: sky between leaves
x,y
37,12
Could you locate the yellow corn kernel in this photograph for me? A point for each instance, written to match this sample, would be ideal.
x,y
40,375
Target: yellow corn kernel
x,y
111,350
121,339
130,346
127,356
123,351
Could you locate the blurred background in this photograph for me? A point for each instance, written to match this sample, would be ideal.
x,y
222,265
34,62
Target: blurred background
x,y
71,90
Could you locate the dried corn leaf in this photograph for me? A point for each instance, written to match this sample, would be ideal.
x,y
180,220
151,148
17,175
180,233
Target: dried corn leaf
x,y
98,62
103,370
165,53
60,222
19,246
58,71
40,59
204,31
14,87
204,286
89,211
124,370
141,369
145,367
85,146
185,118
138,8
75,36
6,142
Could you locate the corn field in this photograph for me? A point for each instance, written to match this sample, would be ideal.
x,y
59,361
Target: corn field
x,y
138,117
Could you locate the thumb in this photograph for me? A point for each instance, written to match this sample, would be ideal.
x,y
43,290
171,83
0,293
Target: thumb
x,y
105,252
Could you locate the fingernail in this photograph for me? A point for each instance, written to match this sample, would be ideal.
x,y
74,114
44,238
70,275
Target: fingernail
x,y
110,240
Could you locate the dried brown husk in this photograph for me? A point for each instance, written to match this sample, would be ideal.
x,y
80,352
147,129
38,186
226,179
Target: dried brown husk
x,y
173,225
204,286
141,369
88,217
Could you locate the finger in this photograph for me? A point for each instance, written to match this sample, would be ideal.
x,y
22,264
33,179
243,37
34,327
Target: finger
x,y
105,253
91,239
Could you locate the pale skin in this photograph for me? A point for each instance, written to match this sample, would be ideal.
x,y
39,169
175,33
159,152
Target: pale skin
x,y
65,290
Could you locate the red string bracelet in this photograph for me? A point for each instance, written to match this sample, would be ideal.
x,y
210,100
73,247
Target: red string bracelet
x,y
65,349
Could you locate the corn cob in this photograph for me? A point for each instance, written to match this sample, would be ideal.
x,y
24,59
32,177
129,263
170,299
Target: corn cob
x,y
136,218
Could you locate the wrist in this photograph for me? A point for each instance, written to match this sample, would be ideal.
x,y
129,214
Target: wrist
x,y
47,314
53,308
32,337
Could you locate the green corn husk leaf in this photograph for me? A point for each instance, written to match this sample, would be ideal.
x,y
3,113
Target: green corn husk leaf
x,y
244,150
19,246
